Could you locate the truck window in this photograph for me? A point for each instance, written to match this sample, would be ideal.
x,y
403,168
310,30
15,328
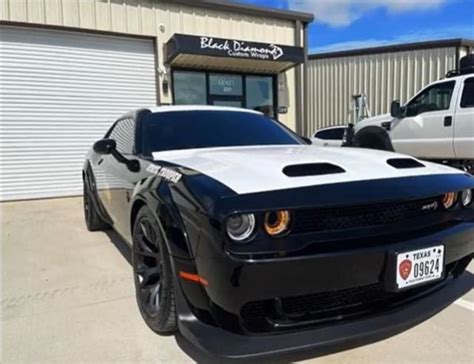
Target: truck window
x,y
434,98
467,99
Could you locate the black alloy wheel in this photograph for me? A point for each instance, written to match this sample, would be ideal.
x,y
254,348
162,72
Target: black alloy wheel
x,y
153,275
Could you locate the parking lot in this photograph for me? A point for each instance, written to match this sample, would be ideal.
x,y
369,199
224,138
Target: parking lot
x,y
68,297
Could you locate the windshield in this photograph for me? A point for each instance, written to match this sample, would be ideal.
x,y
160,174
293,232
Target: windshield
x,y
210,129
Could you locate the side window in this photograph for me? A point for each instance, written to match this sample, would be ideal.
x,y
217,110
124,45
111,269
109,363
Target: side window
x,y
467,99
124,135
434,98
331,134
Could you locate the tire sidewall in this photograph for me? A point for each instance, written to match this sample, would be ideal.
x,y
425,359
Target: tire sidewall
x,y
380,140
161,322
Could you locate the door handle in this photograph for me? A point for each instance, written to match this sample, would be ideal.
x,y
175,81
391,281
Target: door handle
x,y
448,121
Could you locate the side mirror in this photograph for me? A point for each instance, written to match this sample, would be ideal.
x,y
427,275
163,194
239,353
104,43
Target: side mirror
x,y
104,146
396,110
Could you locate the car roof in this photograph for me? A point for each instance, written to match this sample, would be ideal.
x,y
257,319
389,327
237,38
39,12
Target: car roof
x,y
330,128
171,108
452,78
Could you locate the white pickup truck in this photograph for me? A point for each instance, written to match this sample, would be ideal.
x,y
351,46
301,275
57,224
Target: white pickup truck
x,y
436,124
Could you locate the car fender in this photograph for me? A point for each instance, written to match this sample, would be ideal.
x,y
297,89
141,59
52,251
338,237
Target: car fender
x,y
156,195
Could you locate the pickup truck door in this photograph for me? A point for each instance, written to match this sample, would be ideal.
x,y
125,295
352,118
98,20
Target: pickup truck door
x,y
427,130
464,122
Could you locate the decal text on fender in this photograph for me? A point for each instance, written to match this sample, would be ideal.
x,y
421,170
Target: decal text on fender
x,y
165,173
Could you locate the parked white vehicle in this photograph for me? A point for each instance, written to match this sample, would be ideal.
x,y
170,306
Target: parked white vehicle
x,y
329,137
436,124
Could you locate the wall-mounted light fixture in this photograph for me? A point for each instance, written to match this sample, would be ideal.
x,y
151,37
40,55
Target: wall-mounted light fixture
x,y
163,72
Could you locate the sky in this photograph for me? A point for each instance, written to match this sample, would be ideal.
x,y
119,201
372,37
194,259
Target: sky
x,y
353,24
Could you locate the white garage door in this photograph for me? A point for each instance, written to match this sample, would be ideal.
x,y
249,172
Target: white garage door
x,y
59,92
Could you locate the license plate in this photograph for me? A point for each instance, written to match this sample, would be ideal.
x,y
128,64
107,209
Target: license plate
x,y
420,266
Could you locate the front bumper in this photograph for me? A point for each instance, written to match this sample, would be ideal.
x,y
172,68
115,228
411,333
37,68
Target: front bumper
x,y
234,282
318,341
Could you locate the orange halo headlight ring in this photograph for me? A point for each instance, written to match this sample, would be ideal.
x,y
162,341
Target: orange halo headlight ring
x,y
277,223
449,200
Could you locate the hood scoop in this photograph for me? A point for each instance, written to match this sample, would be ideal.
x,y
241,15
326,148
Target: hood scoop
x,y
404,163
312,169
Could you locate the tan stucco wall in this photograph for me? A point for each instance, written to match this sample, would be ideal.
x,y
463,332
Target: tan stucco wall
x,y
155,18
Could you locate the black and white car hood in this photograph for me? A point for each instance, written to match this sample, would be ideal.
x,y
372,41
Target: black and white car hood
x,y
247,170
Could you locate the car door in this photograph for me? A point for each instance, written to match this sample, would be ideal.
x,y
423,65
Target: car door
x,y
116,197
464,122
427,129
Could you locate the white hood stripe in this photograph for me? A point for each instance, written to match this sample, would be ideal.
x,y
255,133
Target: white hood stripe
x,y
259,169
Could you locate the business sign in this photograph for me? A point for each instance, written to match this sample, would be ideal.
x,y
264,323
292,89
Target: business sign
x,y
236,48
232,48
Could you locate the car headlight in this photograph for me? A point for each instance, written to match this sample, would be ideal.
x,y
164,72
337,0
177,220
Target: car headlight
x,y
449,200
240,227
466,198
277,222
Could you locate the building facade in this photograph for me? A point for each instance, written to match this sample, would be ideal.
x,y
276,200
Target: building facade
x,y
382,74
71,67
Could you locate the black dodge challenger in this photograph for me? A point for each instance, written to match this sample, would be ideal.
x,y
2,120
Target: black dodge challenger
x,y
251,242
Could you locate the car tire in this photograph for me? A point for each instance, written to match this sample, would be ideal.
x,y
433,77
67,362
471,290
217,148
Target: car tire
x,y
93,220
153,274
373,138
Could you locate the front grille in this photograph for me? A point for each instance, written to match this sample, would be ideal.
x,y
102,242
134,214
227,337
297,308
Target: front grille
x,y
323,307
362,216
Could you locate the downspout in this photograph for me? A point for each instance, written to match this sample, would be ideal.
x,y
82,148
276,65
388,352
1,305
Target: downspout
x,y
299,82
458,56
306,101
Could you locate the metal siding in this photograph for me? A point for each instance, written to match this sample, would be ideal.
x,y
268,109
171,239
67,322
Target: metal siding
x,y
382,77
144,17
60,92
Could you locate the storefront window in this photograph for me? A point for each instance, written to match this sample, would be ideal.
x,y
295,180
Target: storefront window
x,y
225,85
260,94
189,88
222,89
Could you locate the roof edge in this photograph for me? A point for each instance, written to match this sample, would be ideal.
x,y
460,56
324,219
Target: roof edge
x,y
247,9
456,42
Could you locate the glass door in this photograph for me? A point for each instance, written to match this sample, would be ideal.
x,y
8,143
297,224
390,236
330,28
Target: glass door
x,y
226,90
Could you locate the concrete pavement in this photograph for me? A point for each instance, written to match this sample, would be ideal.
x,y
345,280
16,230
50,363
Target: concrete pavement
x,y
68,297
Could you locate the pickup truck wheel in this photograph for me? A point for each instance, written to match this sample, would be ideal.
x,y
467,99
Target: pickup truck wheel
x,y
153,275
375,138
93,220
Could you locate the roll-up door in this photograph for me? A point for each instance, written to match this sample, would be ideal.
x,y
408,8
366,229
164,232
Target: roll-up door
x,y
59,92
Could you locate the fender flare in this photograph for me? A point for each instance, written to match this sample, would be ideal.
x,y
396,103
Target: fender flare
x,y
159,205
373,137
